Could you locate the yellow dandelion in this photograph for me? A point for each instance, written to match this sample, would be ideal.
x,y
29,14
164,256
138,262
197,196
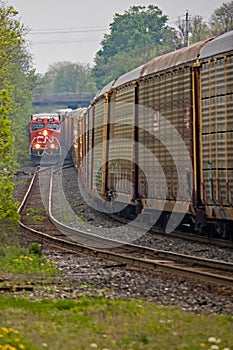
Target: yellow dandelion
x,y
8,347
29,258
12,330
202,345
4,330
21,347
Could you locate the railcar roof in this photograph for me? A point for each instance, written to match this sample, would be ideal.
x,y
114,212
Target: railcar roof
x,y
174,59
220,44
123,79
105,89
127,77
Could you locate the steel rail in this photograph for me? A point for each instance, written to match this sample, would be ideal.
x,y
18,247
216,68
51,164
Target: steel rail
x,y
182,235
25,198
155,260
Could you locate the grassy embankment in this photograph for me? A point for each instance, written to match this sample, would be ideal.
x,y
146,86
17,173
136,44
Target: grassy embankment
x,y
95,323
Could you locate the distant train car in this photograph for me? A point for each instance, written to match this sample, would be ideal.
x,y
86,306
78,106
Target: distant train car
x,y
73,136
45,135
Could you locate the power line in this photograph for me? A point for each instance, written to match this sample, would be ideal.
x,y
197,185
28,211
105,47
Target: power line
x,y
61,42
68,30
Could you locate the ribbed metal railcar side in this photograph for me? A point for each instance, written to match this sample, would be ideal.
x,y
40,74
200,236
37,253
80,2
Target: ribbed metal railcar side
x,y
165,120
85,146
67,134
77,132
80,144
217,127
98,152
121,137
89,156
97,137
121,156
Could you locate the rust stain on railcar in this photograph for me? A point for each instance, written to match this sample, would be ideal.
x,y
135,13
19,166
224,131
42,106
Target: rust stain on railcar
x,y
173,59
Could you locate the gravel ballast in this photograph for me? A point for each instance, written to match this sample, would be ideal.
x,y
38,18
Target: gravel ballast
x,y
85,275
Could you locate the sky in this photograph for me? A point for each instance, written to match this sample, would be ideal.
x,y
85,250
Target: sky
x,y
72,30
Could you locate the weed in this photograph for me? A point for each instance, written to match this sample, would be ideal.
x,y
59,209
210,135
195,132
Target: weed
x,y
35,249
34,215
21,260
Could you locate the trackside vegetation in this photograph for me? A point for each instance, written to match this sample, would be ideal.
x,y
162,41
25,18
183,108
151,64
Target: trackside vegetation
x,y
32,322
20,260
16,82
97,323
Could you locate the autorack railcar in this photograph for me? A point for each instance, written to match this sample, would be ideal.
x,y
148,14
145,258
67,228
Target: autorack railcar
x,y
159,139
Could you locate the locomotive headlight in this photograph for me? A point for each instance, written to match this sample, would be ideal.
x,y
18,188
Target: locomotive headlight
x,y
52,145
37,146
45,132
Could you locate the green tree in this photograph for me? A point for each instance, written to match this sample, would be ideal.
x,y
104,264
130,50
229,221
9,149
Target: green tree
x,y
67,77
15,100
198,29
17,78
6,137
222,19
22,97
135,37
9,39
8,208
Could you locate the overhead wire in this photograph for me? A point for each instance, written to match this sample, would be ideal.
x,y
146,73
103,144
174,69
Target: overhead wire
x,y
61,42
68,30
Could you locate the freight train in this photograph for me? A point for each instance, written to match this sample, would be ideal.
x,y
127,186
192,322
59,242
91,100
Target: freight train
x,y
45,136
159,140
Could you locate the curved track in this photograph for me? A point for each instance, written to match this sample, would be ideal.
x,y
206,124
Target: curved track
x,y
38,214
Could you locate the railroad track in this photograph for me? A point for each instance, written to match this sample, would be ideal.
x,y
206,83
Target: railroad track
x,y
41,210
189,236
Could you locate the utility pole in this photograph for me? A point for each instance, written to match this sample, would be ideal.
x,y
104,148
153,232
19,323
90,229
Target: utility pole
x,y
187,28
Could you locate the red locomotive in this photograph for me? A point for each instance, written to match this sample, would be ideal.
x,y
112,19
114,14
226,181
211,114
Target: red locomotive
x,y
45,135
